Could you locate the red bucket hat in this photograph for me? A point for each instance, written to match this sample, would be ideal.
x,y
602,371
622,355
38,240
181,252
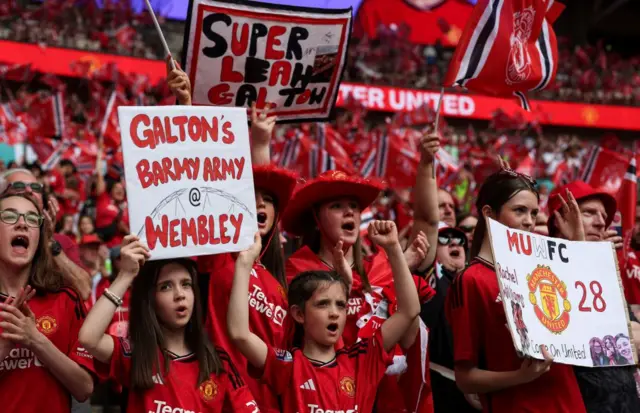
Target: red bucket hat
x,y
328,185
581,191
277,181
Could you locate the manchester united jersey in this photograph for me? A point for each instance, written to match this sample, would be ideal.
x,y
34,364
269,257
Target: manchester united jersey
x,y
346,384
630,274
480,336
267,314
178,390
59,317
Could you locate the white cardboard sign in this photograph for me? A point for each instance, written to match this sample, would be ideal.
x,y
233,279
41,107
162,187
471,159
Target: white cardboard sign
x,y
189,179
562,294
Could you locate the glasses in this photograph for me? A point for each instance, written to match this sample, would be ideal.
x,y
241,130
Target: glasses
x,y
515,174
22,186
10,216
453,240
467,228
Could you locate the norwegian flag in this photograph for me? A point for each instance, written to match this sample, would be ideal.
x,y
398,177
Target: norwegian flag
x,y
110,127
48,151
604,169
507,48
389,159
628,196
447,167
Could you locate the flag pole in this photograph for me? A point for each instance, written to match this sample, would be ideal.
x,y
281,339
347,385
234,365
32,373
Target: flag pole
x,y
167,52
437,123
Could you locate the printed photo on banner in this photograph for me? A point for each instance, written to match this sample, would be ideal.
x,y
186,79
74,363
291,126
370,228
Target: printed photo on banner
x,y
242,52
189,179
562,294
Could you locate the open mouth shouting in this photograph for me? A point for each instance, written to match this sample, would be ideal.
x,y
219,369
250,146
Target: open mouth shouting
x,y
262,219
349,226
333,329
20,244
455,253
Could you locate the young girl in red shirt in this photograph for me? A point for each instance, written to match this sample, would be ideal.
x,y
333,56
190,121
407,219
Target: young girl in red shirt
x,y
166,361
38,338
314,377
486,362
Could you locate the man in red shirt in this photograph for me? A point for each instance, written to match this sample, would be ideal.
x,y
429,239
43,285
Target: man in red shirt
x,y
64,251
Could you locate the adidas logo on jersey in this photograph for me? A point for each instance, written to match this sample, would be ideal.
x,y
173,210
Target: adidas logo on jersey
x,y
157,379
308,385
163,407
315,409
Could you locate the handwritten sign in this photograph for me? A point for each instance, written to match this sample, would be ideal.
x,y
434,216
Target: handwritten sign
x,y
562,294
244,52
189,179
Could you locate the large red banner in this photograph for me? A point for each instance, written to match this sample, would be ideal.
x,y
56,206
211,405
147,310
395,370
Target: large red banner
x,y
380,98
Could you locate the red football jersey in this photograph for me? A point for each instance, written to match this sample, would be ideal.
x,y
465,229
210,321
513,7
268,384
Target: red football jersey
x,y
178,391
346,384
480,336
59,317
365,314
630,274
267,313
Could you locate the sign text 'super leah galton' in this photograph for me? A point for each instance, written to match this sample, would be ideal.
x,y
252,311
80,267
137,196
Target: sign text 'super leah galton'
x,y
562,294
189,179
243,52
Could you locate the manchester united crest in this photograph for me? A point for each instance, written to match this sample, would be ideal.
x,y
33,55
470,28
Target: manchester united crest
x,y
47,325
208,390
519,62
548,295
348,386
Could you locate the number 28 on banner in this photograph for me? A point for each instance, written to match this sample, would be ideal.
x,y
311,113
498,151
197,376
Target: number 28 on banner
x,y
545,289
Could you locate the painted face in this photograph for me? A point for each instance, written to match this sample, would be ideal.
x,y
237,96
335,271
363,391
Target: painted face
x,y
450,252
174,296
325,314
447,208
86,226
624,348
468,226
266,211
520,211
340,218
19,235
594,218
117,192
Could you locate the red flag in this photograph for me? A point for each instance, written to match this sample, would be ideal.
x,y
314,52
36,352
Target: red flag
x,y
46,116
508,47
627,197
110,127
605,169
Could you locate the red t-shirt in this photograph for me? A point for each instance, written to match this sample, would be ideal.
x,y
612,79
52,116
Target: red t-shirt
x,y
630,272
480,336
365,314
348,383
106,213
267,314
56,182
25,384
178,390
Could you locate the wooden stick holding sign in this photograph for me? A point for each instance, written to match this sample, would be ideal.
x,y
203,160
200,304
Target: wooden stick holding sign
x,y
167,52
437,126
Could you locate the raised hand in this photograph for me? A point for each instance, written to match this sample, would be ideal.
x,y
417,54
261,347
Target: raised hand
x,y
612,236
262,124
417,251
569,219
133,255
178,82
384,233
251,254
429,146
340,263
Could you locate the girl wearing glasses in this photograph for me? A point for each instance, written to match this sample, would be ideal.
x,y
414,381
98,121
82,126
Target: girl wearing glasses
x,y
39,320
485,361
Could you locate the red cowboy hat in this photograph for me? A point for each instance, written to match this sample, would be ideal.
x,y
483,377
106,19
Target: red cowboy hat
x,y
328,185
279,182
581,192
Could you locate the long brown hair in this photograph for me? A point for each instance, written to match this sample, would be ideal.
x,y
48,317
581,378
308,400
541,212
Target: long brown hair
x,y
43,276
272,254
496,191
311,237
146,336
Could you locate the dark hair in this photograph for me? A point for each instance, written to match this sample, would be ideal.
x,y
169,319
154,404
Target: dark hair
x,y
44,275
146,336
311,237
68,162
272,254
496,191
301,290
